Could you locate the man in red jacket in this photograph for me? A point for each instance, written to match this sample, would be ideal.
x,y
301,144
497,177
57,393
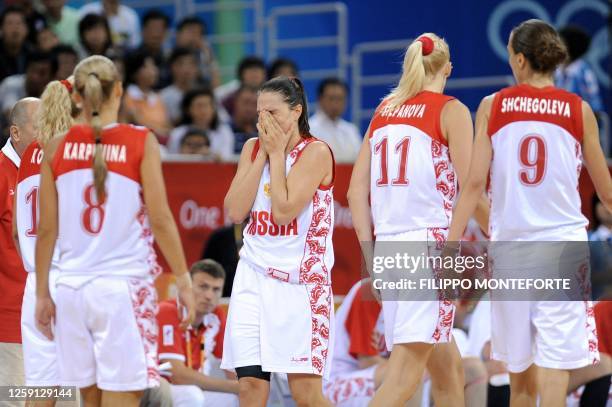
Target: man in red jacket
x,y
12,274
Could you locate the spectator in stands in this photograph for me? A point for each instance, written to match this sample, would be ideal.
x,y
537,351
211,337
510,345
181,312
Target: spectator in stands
x,y
196,142
155,26
191,33
95,36
199,111
195,353
283,67
223,246
184,70
67,60
251,72
123,21
12,273
40,70
142,103
244,119
13,46
63,21
328,125
576,75
35,21
46,40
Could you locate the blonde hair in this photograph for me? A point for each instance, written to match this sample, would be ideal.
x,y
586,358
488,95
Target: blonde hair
x,y
57,111
417,67
94,80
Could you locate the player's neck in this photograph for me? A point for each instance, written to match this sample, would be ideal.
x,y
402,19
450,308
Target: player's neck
x,y
293,141
435,84
538,81
106,118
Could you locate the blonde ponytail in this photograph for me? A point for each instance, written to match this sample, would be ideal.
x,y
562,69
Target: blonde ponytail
x,y
56,113
416,67
94,97
95,78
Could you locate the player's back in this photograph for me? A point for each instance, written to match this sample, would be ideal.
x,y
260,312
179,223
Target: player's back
x,y
536,135
412,181
112,238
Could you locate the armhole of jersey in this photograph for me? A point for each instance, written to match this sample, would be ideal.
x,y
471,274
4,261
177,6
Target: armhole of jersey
x,y
56,159
579,120
333,180
440,135
255,150
492,113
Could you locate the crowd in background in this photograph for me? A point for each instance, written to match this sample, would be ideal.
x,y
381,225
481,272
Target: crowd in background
x,y
176,92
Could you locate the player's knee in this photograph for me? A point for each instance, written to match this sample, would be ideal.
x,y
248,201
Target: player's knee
x,y
306,393
251,389
474,370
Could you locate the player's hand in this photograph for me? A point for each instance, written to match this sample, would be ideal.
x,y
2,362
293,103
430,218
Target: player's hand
x,y
185,297
274,139
45,316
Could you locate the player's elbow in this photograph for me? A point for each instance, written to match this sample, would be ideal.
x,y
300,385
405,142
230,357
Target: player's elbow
x,y
235,214
476,184
282,218
282,214
356,194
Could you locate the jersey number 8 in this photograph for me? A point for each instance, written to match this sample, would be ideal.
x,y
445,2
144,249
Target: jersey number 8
x,y
93,214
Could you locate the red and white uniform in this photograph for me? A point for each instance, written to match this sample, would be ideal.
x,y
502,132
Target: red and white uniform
x,y
208,337
105,257
12,275
536,135
358,322
282,289
201,347
412,189
39,353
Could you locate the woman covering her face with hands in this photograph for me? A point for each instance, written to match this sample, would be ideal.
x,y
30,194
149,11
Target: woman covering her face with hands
x,y
281,307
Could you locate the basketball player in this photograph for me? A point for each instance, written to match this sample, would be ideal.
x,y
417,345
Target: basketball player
x,y
106,302
533,138
417,138
281,305
54,117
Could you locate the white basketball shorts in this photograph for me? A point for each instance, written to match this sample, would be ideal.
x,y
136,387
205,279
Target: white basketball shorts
x,y
280,326
39,353
106,333
417,321
551,334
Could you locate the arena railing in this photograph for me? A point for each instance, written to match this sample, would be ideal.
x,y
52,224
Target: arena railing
x,y
339,40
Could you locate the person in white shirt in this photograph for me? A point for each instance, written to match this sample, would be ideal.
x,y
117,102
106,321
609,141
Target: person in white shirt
x,y
328,125
123,20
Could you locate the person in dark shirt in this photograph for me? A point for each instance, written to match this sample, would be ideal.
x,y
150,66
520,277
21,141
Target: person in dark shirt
x,y
223,246
13,45
244,117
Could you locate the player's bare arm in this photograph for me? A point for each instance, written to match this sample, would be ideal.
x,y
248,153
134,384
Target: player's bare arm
x,y
163,225
594,158
477,176
241,194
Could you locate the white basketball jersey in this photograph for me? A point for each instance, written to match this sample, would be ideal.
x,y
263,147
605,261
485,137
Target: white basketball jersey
x,y
412,180
300,252
536,134
27,202
112,238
